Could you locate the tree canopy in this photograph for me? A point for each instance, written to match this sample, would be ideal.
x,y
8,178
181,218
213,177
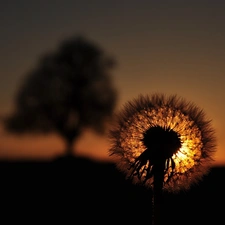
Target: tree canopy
x,y
68,90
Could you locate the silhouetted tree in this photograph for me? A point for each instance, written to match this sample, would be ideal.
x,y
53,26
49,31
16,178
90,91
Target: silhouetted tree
x,y
69,90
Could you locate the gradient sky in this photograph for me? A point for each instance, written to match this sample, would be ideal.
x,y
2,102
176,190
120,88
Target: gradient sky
x,y
175,47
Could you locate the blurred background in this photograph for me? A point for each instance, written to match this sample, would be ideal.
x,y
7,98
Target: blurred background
x,y
171,47
121,49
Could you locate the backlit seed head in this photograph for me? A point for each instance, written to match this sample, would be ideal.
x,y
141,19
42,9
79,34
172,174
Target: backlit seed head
x,y
168,128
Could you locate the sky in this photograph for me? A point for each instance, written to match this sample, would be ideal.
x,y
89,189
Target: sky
x,y
174,47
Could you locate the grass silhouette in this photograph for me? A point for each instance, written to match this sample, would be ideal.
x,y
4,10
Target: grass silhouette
x,y
66,192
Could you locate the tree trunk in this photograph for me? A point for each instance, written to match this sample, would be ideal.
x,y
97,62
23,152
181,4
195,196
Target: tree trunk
x,y
69,148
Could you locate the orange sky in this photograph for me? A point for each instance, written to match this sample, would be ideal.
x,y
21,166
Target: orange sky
x,y
165,46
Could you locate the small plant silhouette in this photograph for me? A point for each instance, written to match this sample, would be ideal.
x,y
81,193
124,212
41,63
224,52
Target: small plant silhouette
x,y
70,89
162,142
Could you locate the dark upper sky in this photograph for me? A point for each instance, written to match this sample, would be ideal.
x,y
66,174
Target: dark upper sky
x,y
169,46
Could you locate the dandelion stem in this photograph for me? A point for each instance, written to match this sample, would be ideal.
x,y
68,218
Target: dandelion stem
x,y
157,192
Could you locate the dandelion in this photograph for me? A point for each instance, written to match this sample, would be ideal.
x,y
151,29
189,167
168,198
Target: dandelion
x,y
162,142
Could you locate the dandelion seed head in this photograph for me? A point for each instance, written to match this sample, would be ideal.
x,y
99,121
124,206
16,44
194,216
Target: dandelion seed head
x,y
184,131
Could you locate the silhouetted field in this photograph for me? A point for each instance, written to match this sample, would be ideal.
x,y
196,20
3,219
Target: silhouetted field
x,y
80,191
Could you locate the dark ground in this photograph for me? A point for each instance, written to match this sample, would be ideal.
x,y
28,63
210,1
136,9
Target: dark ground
x,y
80,191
